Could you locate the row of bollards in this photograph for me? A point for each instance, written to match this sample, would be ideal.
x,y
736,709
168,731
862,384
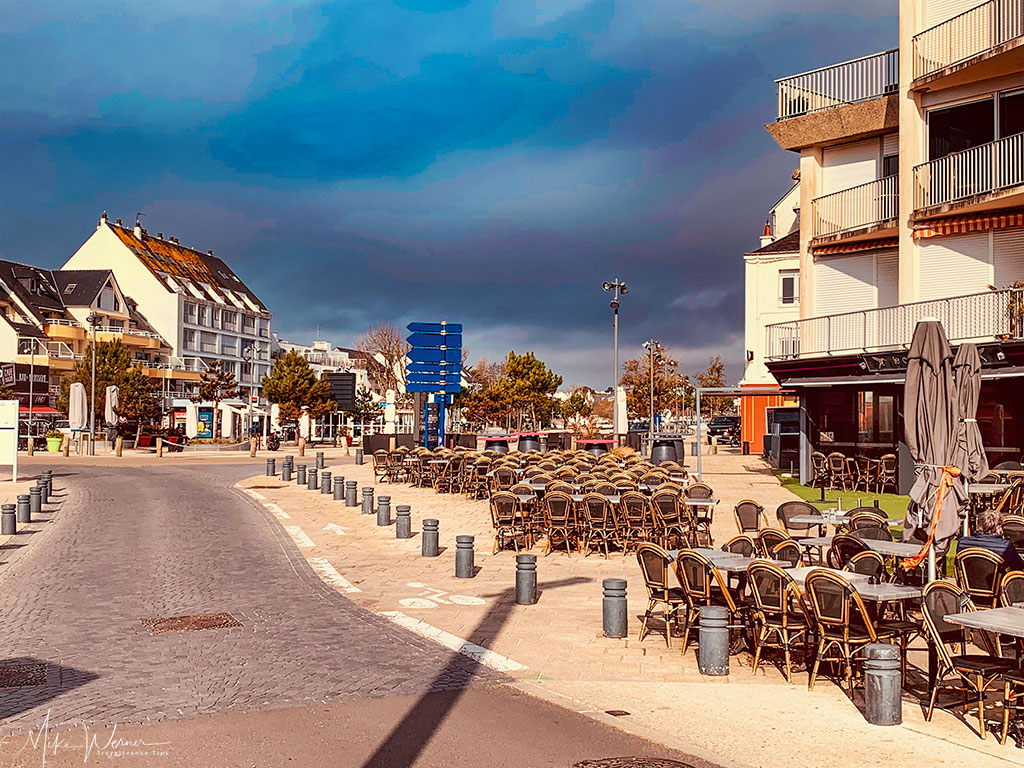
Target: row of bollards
x,y
28,504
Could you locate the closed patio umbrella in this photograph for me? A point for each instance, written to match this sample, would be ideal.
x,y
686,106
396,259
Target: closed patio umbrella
x,y
110,404
970,450
78,407
191,421
931,410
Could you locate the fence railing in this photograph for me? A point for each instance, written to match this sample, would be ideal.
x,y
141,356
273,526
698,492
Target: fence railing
x,y
875,202
847,83
61,321
980,316
971,33
976,171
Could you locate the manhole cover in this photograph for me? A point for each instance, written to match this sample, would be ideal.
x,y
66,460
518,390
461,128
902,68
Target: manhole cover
x,y
15,675
631,762
190,623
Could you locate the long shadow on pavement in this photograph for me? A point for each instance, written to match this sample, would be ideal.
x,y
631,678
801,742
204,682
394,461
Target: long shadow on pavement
x,y
27,682
410,736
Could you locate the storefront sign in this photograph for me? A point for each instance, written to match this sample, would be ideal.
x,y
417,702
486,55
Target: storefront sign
x,y
205,423
882,362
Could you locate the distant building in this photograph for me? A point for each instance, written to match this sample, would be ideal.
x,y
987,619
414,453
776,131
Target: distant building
x,y
193,300
323,358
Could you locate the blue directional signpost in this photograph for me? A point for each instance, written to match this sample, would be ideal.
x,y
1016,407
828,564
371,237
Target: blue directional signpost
x,y
435,367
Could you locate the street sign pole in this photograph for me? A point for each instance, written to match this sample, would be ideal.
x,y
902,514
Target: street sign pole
x,y
442,398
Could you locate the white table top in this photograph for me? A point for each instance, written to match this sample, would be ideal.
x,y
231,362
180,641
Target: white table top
x,y
984,489
893,548
1003,621
868,591
700,502
819,519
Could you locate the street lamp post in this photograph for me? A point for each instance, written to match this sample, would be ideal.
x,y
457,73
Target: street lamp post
x,y
652,347
92,320
617,289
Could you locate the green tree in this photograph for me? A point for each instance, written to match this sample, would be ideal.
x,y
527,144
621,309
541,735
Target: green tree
x,y
714,376
576,406
528,387
137,399
293,385
112,365
215,385
367,409
636,380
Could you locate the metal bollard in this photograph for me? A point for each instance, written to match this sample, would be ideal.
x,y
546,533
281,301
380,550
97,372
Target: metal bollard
x,y
24,513
463,557
8,525
319,459
44,491
339,488
286,472
311,477
350,494
882,702
271,467
713,653
383,511
325,482
300,474
359,455
526,579
35,500
429,538
613,608
367,501
403,522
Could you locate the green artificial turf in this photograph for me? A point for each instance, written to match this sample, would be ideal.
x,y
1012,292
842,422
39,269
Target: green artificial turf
x,y
894,505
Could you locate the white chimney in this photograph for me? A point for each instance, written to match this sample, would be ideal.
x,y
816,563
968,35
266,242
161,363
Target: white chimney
x,y
766,240
103,220
138,230
766,235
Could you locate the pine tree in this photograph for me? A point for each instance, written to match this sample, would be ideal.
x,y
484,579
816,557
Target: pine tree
x,y
137,399
215,385
112,365
293,386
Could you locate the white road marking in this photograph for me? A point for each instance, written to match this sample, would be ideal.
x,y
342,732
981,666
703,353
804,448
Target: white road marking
x,y
472,650
278,512
255,494
299,536
330,576
338,529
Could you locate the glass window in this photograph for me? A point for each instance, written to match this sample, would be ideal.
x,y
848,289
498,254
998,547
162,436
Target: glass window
x,y
789,286
955,129
190,313
890,165
1011,114
866,417
886,411
189,339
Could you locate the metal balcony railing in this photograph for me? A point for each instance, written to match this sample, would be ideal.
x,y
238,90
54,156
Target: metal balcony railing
x,y
970,34
979,170
868,77
977,317
873,203
61,321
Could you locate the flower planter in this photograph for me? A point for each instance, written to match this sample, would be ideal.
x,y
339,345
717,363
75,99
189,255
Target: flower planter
x,y
53,444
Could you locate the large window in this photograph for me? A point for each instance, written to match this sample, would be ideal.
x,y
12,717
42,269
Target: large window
x,y
789,286
954,129
108,299
1011,114
189,340
190,313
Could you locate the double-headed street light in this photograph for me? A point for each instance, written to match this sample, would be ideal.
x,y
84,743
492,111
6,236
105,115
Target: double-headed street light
x,y
617,289
652,348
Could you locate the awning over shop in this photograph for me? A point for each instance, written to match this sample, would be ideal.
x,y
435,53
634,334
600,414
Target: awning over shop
x,y
38,409
978,222
1008,372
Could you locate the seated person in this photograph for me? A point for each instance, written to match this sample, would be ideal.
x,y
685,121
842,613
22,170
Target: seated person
x,y
988,534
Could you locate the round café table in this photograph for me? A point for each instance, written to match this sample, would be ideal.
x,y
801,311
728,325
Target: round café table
x,y
596,446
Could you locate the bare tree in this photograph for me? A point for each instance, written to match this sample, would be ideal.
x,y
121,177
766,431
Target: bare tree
x,y
385,343
488,374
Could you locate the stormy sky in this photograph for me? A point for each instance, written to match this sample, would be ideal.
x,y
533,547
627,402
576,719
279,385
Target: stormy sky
x,y
490,162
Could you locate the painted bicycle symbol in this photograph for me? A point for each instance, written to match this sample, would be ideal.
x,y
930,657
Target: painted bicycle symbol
x,y
429,597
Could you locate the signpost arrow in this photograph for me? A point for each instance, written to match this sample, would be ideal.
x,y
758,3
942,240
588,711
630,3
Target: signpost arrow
x,y
453,368
433,378
417,355
450,389
434,327
435,339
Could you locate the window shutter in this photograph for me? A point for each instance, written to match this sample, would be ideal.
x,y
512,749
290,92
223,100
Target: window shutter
x,y
954,266
849,165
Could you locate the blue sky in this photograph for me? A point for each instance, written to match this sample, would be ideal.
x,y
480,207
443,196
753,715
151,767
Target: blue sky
x,y
492,163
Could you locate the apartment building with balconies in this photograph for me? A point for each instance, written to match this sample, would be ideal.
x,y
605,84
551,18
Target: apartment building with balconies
x,y
911,206
192,299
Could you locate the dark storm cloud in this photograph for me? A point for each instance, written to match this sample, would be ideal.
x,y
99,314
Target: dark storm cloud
x,y
490,162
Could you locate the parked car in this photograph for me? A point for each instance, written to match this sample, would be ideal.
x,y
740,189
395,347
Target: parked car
x,y
720,425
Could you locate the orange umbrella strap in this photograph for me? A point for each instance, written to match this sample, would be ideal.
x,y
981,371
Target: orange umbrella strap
x,y
948,473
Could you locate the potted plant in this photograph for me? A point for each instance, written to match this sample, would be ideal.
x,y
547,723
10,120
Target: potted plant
x,y
54,440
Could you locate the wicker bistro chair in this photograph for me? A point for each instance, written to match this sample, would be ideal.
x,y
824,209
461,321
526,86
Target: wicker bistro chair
x,y
741,545
635,520
866,563
704,585
844,624
844,546
702,517
789,551
887,473
971,673
380,466
978,573
507,519
819,466
670,520
768,539
447,480
477,482
1013,531
502,479
839,471
790,509
597,524
750,516
781,618
559,520
655,565
1011,588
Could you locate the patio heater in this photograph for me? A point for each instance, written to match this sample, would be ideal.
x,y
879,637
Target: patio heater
x,y
617,289
652,348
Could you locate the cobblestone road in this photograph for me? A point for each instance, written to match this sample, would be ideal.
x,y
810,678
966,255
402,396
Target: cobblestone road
x,y
138,543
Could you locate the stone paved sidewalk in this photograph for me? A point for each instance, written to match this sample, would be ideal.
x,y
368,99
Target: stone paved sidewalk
x,y
557,647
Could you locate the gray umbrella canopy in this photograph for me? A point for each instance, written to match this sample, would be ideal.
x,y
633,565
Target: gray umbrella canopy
x,y
970,451
931,411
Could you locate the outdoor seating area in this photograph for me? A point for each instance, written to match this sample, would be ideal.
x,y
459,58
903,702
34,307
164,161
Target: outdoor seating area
x,y
836,471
